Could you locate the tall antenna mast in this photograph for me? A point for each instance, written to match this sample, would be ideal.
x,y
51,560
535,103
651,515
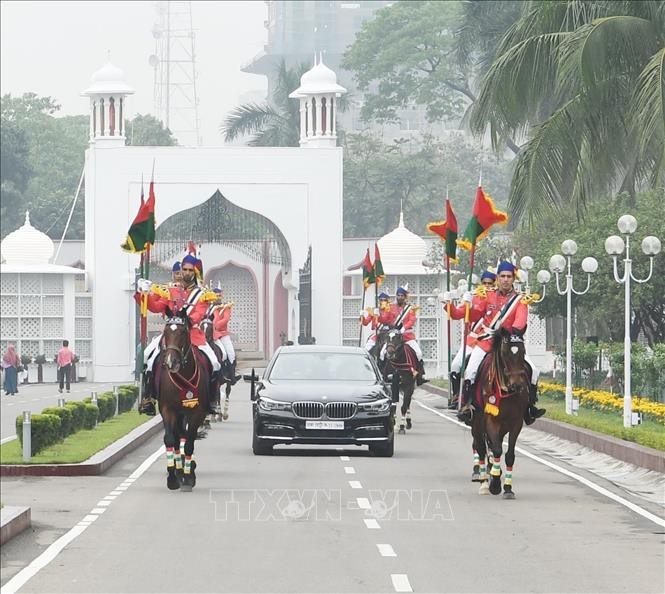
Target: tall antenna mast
x,y
174,63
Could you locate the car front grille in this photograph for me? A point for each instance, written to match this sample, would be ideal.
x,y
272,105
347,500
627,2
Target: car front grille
x,y
340,410
308,410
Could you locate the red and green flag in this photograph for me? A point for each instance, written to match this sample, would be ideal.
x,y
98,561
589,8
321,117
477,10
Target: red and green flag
x,y
141,234
447,231
483,216
379,275
368,271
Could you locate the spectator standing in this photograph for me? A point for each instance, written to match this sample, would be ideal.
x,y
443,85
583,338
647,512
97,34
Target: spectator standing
x,y
64,360
10,364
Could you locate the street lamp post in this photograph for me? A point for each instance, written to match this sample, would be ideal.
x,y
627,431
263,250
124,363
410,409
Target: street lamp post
x,y
614,246
543,277
557,265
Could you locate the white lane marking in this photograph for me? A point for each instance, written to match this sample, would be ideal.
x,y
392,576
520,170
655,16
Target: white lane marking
x,y
363,503
580,479
372,524
401,582
103,503
36,565
122,488
35,400
385,550
110,497
344,458
98,510
349,470
355,485
6,439
11,403
115,493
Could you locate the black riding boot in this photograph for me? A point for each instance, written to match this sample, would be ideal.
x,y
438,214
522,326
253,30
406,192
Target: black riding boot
x,y
453,390
465,413
147,405
532,413
420,378
213,398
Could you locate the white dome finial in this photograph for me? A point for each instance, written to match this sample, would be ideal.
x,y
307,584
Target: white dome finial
x,y
401,219
27,218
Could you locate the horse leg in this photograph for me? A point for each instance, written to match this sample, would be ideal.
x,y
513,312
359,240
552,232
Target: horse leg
x,y
170,440
189,474
495,439
508,492
225,412
480,446
475,475
408,394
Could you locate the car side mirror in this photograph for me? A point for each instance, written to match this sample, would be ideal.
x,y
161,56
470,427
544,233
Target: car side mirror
x,y
252,378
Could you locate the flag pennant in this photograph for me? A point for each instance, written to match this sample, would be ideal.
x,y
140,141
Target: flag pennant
x,y
483,216
368,271
141,233
447,231
379,275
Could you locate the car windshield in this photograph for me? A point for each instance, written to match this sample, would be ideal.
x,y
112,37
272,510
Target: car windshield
x,y
323,366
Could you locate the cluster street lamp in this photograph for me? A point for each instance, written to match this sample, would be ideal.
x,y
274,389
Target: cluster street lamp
x,y
558,264
543,277
615,246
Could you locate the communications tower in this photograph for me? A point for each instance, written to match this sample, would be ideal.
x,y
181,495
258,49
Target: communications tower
x,y
174,63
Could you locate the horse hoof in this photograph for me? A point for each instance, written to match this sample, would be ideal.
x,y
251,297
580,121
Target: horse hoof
x,y
225,417
508,495
483,490
402,431
173,482
475,477
495,486
408,424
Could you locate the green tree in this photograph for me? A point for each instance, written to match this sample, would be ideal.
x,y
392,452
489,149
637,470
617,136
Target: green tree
x,y
601,310
273,123
147,130
584,82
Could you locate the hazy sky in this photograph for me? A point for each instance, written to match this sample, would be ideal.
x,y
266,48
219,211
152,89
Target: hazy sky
x,y
52,48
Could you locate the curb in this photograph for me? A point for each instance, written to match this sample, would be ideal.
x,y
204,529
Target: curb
x,y
13,521
626,451
97,464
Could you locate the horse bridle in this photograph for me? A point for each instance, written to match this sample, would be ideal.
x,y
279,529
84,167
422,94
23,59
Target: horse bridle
x,y
388,343
178,321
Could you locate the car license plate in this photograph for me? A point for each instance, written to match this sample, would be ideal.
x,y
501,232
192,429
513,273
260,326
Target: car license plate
x,y
324,424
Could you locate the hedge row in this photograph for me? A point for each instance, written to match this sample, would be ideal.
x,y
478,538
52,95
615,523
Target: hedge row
x,y
56,423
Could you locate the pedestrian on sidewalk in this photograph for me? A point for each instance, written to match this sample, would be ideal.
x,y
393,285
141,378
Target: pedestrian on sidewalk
x,y
10,364
64,360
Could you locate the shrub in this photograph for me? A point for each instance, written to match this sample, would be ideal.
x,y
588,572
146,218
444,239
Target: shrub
x,y
78,413
66,419
44,431
90,415
127,397
105,404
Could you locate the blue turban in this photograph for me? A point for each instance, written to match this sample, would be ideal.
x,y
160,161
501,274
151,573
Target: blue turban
x,y
176,267
189,259
401,291
384,296
489,275
505,267
218,291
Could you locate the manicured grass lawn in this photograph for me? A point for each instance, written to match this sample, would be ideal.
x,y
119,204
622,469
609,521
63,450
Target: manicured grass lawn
x,y
79,446
649,433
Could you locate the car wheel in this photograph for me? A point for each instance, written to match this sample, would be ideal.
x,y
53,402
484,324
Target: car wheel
x,y
260,447
385,449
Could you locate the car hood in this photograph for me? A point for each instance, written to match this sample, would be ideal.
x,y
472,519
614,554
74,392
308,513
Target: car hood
x,y
292,391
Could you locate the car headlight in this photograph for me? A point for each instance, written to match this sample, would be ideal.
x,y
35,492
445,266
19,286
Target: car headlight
x,y
378,406
269,404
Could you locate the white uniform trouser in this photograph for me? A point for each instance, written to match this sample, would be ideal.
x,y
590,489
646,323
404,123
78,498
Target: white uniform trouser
x,y
476,358
155,346
456,364
218,342
369,345
228,347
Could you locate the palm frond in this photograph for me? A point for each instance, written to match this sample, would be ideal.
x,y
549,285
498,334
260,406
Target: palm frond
x,y
247,119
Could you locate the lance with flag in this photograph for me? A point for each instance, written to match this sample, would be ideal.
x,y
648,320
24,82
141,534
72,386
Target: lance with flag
x,y
447,231
484,216
379,275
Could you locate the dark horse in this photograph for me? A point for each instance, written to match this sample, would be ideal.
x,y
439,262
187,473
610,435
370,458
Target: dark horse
x,y
206,326
182,383
503,395
400,362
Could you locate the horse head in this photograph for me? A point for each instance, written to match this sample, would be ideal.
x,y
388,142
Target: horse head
x,y
512,353
394,342
206,326
177,346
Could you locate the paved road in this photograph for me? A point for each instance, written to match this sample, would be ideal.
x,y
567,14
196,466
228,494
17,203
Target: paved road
x,y
36,397
324,520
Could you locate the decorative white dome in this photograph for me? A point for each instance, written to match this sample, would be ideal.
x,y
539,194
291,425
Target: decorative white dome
x,y
27,245
318,80
402,252
108,80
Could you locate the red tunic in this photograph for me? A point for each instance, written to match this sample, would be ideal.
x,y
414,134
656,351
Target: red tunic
x,y
220,322
390,316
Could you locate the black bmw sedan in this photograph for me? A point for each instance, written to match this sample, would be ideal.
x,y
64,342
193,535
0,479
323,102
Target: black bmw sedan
x,y
322,395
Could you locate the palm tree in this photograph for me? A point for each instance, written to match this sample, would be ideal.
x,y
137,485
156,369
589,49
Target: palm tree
x,y
584,83
273,123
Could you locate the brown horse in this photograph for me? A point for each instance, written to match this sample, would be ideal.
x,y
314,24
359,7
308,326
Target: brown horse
x,y
400,360
224,374
183,399
503,394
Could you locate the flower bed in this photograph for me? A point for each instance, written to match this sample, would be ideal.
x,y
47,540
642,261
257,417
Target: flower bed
x,y
606,401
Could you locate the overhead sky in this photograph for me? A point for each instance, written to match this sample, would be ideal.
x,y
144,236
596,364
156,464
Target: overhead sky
x,y
52,48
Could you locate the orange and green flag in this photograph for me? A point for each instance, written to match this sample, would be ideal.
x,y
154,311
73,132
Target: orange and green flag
x,y
141,233
379,275
483,216
368,271
447,231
